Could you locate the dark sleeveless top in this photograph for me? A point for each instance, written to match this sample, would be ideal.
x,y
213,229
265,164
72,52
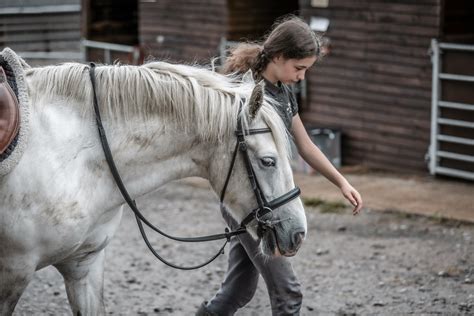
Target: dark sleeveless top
x,y
286,106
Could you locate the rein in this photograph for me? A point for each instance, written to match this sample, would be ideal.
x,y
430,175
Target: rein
x,y
264,207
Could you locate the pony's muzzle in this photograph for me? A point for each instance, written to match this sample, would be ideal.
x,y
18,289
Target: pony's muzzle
x,y
290,245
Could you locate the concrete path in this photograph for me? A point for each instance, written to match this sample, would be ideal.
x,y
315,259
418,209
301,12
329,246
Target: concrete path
x,y
429,196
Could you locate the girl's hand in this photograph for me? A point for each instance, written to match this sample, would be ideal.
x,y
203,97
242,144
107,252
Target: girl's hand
x,y
353,196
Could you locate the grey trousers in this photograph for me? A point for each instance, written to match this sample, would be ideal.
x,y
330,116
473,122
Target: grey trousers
x,y
240,283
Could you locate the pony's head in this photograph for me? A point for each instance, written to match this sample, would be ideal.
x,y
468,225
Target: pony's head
x,y
268,154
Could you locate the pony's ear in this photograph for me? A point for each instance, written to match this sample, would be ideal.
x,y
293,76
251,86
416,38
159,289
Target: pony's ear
x,y
248,77
256,99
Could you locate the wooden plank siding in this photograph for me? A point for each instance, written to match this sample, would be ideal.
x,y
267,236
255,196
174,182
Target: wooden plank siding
x,y
182,30
375,85
191,31
40,26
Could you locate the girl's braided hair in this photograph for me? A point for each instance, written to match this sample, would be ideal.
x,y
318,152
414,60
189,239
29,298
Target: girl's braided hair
x,y
290,38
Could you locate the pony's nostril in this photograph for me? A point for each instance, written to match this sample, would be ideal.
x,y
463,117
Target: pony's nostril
x,y
297,239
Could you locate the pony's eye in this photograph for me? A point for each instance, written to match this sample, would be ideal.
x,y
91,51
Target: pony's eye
x,y
268,162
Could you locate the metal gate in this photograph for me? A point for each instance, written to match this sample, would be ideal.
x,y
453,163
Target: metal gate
x,y
446,146
81,55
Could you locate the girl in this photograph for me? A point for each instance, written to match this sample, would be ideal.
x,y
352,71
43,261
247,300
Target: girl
x,y
283,58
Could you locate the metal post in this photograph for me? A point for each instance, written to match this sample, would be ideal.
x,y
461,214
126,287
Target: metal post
x,y
83,50
135,55
107,56
435,93
222,50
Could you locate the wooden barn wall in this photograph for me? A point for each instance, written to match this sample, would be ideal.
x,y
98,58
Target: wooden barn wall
x,y
182,30
375,85
249,19
37,30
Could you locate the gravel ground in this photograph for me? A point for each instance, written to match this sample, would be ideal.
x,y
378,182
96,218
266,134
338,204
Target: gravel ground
x,y
378,263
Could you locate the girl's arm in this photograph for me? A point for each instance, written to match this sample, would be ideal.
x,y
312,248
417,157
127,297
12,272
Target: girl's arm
x,y
318,161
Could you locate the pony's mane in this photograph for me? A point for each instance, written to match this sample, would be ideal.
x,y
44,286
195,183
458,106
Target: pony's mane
x,y
190,97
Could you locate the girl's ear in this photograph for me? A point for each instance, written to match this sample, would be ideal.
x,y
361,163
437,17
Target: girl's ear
x,y
248,77
277,59
256,99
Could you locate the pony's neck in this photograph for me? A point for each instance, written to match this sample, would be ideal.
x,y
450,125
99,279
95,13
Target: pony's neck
x,y
163,121
148,161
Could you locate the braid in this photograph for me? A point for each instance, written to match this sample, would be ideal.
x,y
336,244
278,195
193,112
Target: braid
x,y
260,64
247,56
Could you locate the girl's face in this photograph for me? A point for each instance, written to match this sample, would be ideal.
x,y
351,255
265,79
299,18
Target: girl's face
x,y
290,71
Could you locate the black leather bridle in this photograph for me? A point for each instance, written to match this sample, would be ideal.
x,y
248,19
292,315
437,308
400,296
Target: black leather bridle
x,y
264,207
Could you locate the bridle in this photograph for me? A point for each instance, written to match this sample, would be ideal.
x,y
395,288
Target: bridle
x,y
264,207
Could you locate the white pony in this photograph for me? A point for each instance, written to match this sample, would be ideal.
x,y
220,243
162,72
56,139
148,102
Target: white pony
x,y
60,204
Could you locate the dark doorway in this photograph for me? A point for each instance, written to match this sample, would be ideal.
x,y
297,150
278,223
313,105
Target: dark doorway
x,y
249,19
110,21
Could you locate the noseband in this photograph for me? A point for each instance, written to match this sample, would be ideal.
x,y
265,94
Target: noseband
x,y
264,207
